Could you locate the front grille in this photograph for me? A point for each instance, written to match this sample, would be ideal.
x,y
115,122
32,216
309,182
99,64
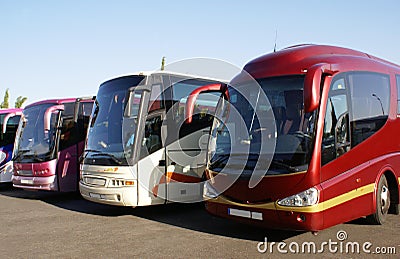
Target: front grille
x,y
94,181
24,172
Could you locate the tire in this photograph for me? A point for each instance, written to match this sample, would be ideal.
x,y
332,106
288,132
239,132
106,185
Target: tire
x,y
382,203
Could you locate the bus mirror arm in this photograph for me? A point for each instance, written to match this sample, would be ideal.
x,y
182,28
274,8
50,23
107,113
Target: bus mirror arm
x,y
7,117
47,115
312,84
190,103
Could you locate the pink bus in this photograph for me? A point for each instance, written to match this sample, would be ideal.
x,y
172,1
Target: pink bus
x,y
9,119
48,143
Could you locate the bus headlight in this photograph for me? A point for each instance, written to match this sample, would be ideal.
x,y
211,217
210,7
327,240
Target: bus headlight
x,y
209,191
302,199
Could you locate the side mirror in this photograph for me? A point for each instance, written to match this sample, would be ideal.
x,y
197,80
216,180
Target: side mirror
x,y
222,88
47,115
312,85
7,117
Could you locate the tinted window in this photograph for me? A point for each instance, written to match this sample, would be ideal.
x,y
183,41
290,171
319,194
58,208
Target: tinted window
x,y
11,128
85,109
69,131
156,98
33,142
105,129
151,141
335,141
370,95
204,106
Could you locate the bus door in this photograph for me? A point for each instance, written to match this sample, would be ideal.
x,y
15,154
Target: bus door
x,y
187,146
67,166
150,147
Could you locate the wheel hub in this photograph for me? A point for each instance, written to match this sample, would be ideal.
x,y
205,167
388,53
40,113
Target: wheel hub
x,y
385,202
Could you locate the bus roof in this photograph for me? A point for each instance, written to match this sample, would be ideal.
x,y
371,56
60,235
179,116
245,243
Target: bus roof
x,y
164,72
59,101
9,110
301,57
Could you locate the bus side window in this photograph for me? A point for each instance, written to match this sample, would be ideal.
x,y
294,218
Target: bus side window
x,y
85,109
69,132
11,129
151,141
156,98
336,137
370,94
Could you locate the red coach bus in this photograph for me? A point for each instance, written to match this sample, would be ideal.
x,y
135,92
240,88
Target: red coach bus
x,y
336,117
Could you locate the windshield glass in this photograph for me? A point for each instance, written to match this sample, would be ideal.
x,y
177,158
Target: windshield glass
x,y
290,128
104,142
33,142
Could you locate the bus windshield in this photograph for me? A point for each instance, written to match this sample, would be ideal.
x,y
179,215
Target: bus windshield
x,y
105,143
34,143
291,129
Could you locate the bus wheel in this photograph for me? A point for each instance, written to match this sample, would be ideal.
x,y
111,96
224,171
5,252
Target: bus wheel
x,y
382,203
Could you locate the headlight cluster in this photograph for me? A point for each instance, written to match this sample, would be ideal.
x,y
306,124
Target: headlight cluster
x,y
302,199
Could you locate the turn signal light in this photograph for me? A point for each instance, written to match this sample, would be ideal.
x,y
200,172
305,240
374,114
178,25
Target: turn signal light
x,y
129,183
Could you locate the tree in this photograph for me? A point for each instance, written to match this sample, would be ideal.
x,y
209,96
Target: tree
x,y
20,101
5,104
162,63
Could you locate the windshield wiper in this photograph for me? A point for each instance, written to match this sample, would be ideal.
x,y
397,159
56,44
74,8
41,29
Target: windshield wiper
x,y
99,153
284,166
274,162
37,158
20,153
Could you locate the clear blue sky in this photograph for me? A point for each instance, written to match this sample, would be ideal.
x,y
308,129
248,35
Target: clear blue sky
x,y
66,48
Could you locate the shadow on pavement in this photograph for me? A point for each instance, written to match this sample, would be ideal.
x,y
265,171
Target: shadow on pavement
x,y
71,201
195,217
188,216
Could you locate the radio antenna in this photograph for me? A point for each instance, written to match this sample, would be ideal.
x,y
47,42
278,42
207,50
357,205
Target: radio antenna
x,y
276,38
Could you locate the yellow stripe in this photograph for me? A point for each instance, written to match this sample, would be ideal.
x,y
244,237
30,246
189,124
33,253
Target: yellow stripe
x,y
280,175
399,181
214,174
311,209
222,200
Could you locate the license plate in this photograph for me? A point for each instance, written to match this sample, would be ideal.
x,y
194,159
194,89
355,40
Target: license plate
x,y
94,195
23,181
245,214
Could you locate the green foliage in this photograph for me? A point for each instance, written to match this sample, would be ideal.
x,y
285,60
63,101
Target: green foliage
x,y
20,101
162,63
5,104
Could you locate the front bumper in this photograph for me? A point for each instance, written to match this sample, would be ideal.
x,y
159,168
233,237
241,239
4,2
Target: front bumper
x,y
48,183
269,215
119,196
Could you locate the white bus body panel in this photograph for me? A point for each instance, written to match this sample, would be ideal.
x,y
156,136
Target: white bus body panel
x,y
187,160
150,175
6,172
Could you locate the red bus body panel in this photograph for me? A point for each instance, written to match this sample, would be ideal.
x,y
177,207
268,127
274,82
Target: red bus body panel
x,y
348,184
